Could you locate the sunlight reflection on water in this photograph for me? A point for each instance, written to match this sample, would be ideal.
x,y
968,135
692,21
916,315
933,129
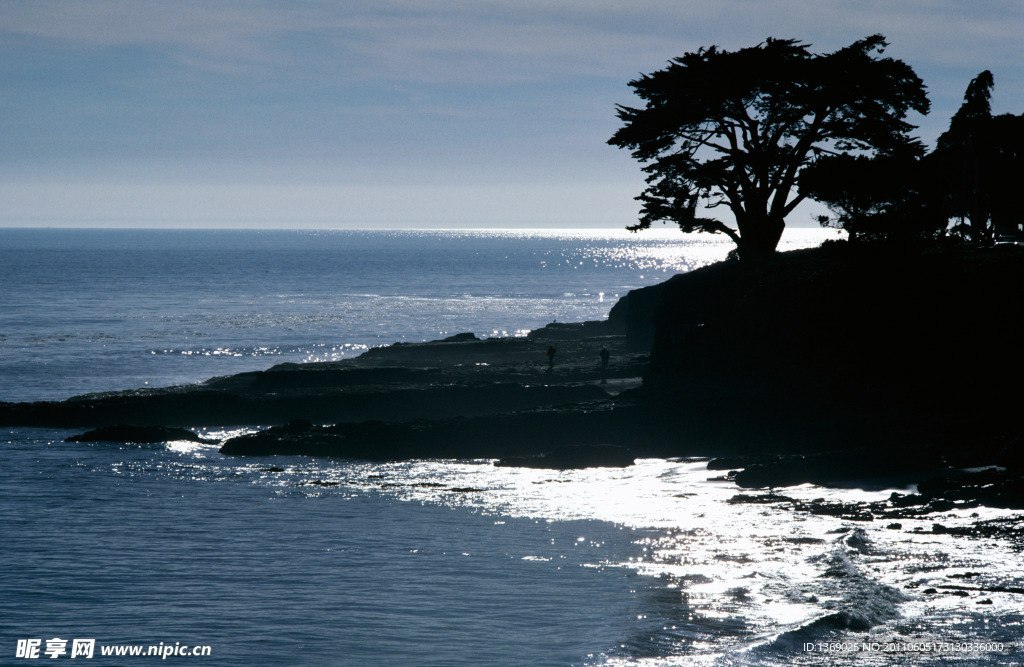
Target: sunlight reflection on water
x,y
739,583
688,577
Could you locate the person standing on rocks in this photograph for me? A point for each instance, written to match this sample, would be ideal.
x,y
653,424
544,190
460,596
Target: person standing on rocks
x,y
604,358
551,356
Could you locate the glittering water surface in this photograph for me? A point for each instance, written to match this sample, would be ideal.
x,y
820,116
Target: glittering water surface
x,y
287,561
302,561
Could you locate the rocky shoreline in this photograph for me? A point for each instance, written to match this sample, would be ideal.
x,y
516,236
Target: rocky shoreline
x,y
826,366
458,377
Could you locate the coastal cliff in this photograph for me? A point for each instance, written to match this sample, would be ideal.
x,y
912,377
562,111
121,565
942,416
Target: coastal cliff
x,y
905,362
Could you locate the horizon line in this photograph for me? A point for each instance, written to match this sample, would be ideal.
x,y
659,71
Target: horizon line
x,y
666,229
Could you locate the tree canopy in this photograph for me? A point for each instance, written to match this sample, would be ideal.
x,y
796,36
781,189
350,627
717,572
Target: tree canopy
x,y
979,161
735,129
905,195
888,197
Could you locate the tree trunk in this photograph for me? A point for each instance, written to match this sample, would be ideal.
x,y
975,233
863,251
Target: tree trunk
x,y
759,236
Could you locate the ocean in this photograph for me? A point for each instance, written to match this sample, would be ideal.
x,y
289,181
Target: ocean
x,y
172,549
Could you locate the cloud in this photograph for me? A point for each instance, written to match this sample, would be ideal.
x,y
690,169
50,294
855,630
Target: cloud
x,y
459,43
479,93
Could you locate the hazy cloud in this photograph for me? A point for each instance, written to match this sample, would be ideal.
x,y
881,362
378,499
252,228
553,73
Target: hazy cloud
x,y
474,94
450,41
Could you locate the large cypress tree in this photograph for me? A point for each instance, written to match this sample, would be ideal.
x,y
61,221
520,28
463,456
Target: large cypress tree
x,y
734,129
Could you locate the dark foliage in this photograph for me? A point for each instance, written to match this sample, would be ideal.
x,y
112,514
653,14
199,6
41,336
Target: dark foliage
x,y
894,198
979,162
735,129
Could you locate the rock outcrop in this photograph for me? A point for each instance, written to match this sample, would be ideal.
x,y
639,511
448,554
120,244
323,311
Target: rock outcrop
x,y
130,433
461,376
840,365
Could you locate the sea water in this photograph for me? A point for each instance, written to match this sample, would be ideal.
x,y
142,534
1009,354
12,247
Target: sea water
x,y
292,560
96,310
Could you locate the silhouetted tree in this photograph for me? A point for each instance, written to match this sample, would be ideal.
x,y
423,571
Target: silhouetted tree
x,y
980,160
961,156
891,197
1005,175
736,128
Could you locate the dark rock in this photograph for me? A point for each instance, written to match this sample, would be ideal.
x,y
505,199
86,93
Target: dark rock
x,y
1011,455
993,487
940,505
821,309
734,462
907,500
791,470
498,436
459,376
573,457
634,313
138,434
847,511
281,396
764,498
577,330
460,338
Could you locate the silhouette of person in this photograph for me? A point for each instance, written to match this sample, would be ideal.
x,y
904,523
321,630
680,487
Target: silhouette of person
x,y
604,358
551,356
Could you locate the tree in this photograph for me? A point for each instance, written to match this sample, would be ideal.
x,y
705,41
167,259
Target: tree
x,y
960,157
892,197
1007,168
980,159
735,129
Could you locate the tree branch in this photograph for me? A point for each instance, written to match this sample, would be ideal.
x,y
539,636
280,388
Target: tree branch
x,y
797,160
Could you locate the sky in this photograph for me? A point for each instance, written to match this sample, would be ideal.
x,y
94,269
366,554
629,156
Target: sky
x,y
397,114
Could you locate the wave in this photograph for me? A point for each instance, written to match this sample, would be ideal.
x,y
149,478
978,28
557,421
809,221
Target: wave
x,y
859,603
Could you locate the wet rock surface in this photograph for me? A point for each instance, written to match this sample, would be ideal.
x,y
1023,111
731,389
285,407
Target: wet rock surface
x,y
955,490
129,433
